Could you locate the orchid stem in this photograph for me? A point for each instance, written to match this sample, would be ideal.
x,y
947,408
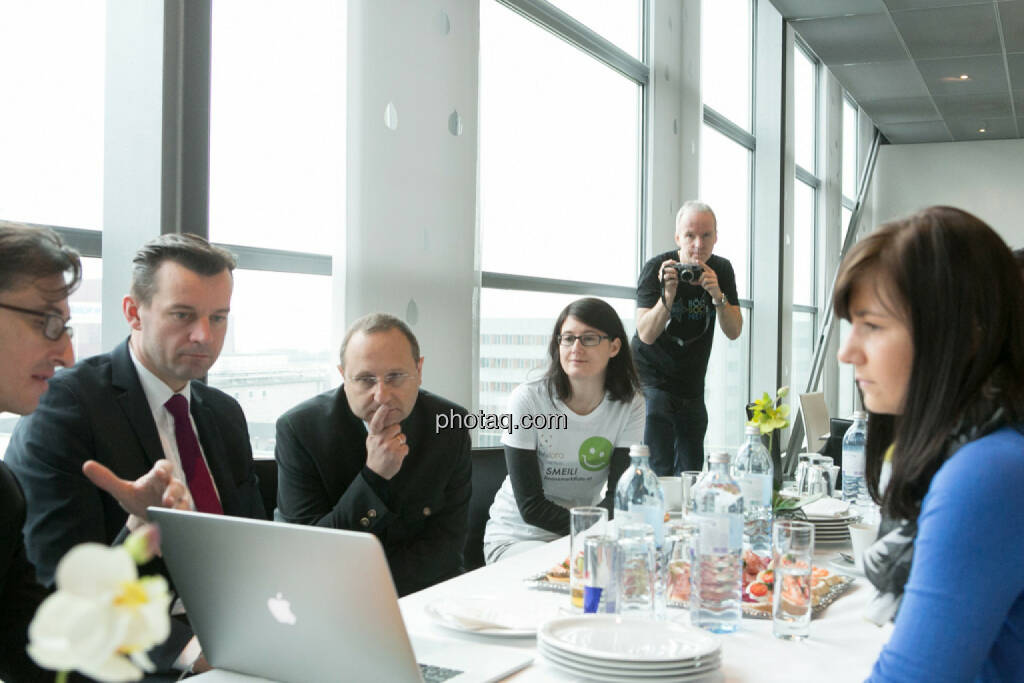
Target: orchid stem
x,y
62,677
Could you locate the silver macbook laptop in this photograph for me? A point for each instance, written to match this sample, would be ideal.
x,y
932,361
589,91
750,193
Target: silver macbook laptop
x,y
302,604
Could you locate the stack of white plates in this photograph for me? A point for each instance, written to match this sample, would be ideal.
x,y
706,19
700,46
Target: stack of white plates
x,y
832,529
611,648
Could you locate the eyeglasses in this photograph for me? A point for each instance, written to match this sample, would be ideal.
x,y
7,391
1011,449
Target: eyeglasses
x,y
54,326
588,339
392,379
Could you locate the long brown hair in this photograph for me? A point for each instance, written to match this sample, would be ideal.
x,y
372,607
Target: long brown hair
x,y
955,284
620,379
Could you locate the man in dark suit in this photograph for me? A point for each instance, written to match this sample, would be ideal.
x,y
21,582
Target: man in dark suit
x,y
37,274
368,457
130,408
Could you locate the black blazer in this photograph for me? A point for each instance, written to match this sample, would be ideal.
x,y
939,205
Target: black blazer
x,y
97,410
421,518
20,595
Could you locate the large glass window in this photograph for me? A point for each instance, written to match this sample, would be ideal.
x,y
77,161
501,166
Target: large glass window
x,y
725,64
725,169
277,124
806,183
559,156
276,353
805,127
616,20
277,181
560,178
726,183
51,119
849,150
804,244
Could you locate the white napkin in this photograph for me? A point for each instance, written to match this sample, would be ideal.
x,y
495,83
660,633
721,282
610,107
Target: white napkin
x,y
827,507
487,614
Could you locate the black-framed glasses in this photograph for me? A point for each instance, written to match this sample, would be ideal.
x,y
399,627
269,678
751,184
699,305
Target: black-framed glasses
x,y
587,339
53,325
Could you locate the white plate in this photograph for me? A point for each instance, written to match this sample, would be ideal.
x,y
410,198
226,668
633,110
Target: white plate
x,y
701,663
593,672
843,566
513,619
611,637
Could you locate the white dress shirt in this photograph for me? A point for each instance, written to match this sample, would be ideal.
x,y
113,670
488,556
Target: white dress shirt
x,y
157,394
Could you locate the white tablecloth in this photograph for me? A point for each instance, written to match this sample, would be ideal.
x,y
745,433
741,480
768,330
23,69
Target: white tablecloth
x,y
842,645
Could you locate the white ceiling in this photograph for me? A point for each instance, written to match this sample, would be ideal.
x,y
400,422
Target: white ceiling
x,y
902,60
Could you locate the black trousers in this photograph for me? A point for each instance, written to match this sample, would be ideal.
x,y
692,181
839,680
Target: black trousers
x,y
675,432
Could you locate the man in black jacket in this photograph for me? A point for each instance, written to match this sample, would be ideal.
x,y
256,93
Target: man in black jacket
x,y
368,457
37,274
135,406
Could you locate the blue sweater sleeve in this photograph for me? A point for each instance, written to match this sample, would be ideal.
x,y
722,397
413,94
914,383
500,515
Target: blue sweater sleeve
x,y
962,615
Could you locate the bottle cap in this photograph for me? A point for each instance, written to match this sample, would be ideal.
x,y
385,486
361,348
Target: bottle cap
x,y
860,415
752,429
639,449
720,456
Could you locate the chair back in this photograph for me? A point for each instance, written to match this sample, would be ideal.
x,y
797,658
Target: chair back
x,y
814,414
489,471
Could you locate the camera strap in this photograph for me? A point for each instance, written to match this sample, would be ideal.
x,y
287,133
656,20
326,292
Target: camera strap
x,y
682,343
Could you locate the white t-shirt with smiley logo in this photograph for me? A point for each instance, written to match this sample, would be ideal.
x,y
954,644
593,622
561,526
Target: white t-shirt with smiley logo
x,y
573,461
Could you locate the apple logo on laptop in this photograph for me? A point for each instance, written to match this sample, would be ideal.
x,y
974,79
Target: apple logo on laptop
x,y
281,610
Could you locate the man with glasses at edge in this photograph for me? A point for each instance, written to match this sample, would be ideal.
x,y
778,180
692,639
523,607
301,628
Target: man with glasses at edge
x,y
678,296
138,405
37,275
367,457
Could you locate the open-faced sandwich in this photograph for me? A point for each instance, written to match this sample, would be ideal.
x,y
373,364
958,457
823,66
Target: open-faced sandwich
x,y
759,582
560,572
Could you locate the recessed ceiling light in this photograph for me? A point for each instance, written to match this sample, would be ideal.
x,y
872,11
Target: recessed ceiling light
x,y
981,130
964,77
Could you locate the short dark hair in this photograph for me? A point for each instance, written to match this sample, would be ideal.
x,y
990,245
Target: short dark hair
x,y
620,380
380,322
30,252
954,283
188,250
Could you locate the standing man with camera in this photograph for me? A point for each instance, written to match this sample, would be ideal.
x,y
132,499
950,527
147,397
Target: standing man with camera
x,y
679,294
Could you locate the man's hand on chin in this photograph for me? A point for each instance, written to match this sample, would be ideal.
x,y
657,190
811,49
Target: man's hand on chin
x,y
385,444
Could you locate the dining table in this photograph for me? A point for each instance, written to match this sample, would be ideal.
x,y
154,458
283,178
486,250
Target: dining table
x,y
842,645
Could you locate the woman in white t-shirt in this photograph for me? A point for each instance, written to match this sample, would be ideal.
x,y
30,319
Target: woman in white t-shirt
x,y
571,431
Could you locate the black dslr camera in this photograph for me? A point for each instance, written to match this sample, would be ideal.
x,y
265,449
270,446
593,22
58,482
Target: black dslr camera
x,y
688,272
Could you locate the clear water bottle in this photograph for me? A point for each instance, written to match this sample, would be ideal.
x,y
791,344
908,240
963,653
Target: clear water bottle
x,y
855,488
753,470
717,578
638,495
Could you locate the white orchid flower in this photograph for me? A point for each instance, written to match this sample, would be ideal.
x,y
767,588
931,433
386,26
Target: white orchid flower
x,y
103,618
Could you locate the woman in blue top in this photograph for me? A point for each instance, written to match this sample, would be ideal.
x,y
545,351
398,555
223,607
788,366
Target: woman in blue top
x,y
937,341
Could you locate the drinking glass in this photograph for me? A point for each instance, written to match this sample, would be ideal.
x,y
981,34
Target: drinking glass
x,y
637,575
689,479
679,551
817,481
583,523
802,462
793,550
600,577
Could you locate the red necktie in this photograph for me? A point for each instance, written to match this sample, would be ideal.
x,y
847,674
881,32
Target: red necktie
x,y
197,476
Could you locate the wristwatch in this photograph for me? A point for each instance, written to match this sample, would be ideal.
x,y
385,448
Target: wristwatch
x,y
722,302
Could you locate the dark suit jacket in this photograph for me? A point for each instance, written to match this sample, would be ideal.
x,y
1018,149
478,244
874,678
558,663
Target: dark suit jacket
x,y
321,452
97,410
20,595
